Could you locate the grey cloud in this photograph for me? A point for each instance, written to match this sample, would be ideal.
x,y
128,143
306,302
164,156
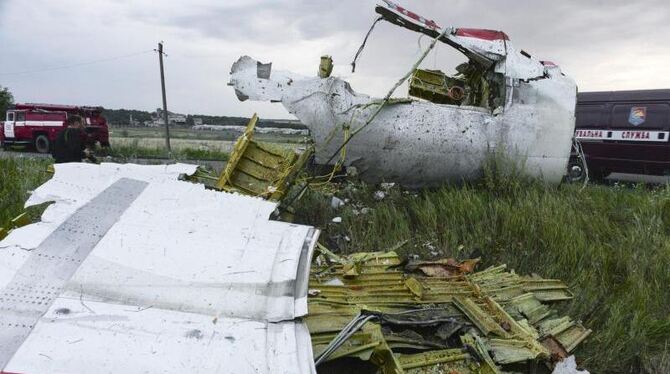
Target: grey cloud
x,y
272,21
531,24
569,32
595,41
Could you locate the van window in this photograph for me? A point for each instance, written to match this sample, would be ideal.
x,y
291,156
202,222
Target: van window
x,y
589,115
646,115
10,116
20,116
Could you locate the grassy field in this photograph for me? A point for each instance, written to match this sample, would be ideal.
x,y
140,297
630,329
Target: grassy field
x,y
155,148
189,134
610,244
145,142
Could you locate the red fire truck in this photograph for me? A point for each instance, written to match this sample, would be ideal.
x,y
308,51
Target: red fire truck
x,y
38,125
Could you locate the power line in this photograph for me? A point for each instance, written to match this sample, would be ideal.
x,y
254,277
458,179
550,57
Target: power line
x,y
62,67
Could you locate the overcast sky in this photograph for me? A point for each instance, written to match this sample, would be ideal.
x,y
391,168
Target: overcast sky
x,y
603,45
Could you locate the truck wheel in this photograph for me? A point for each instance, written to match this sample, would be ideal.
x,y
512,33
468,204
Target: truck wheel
x,y
42,144
576,172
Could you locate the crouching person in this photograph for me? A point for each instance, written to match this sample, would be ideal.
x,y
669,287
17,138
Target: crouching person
x,y
70,143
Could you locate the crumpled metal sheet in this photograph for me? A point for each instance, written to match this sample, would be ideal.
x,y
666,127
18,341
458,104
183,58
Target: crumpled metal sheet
x,y
186,278
261,169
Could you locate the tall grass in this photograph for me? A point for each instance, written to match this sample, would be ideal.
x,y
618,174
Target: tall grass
x,y
18,176
610,244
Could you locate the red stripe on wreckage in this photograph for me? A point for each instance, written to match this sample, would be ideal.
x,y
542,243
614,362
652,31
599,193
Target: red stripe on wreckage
x,y
408,13
483,34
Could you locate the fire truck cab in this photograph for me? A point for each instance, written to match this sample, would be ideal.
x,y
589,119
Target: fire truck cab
x,y
38,125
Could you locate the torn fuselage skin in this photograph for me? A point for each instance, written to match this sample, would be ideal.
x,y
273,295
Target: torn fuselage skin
x,y
516,106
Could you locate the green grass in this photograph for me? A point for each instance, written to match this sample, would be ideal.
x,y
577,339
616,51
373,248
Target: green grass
x,y
187,133
125,152
610,244
19,176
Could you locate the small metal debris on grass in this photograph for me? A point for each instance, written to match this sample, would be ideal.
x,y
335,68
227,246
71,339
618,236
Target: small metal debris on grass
x,y
568,366
337,220
386,186
336,202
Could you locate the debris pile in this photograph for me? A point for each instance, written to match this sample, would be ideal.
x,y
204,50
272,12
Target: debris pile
x,y
422,316
221,268
438,316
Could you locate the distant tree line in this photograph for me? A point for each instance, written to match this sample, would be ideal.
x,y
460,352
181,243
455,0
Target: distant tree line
x,y
122,117
6,101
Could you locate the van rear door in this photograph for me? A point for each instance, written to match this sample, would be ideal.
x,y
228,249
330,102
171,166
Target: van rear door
x,y
625,131
642,130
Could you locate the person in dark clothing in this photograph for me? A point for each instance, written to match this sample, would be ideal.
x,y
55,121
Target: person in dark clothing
x,y
69,146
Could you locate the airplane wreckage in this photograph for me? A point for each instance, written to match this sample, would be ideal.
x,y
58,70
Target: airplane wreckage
x,y
503,101
134,269
147,269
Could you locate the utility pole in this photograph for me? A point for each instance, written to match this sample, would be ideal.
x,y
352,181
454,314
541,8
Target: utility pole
x,y
165,111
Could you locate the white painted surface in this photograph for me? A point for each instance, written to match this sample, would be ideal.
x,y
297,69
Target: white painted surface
x,y
114,338
568,366
40,123
188,279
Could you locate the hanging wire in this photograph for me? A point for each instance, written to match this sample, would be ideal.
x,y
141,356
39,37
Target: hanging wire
x,y
360,49
348,134
62,67
390,93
